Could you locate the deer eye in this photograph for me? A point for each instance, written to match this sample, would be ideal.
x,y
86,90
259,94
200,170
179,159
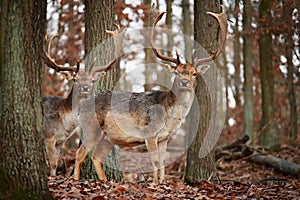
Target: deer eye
x,y
195,74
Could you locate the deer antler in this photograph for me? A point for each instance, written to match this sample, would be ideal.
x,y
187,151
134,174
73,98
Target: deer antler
x,y
156,52
109,66
50,62
222,20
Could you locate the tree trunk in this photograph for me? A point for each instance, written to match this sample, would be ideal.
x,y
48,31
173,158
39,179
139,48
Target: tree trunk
x,y
199,168
237,58
288,10
169,26
148,51
188,47
292,92
248,71
23,169
187,30
100,16
268,136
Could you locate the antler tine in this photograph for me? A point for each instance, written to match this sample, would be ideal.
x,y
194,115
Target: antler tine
x,y
222,20
50,61
155,51
109,66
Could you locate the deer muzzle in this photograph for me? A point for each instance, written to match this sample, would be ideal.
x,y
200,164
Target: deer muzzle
x,y
85,89
184,82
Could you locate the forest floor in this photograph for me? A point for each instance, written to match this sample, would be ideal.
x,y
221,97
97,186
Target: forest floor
x,y
238,179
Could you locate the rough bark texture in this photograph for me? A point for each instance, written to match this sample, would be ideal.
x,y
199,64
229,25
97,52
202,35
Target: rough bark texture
x,y
206,30
99,17
268,136
248,71
22,158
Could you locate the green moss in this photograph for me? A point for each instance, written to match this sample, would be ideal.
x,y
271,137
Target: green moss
x,y
191,181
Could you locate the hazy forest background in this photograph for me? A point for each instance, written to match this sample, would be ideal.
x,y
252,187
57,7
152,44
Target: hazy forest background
x,y
262,94
260,64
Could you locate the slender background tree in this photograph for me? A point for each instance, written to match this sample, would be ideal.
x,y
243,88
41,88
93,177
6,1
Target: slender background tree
x,y
248,70
269,134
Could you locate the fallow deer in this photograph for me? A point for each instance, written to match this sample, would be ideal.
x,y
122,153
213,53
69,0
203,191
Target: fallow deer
x,y
129,119
62,133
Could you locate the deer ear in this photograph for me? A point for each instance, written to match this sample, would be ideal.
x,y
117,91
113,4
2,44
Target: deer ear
x,y
203,68
168,67
68,76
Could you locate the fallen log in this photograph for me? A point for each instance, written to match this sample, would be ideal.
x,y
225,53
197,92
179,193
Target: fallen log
x,y
277,163
235,150
236,143
239,150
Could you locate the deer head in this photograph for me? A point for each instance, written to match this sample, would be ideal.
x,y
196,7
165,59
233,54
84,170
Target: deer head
x,y
186,73
83,80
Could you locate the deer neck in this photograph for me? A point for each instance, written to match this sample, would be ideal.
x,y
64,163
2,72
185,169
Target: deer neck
x,y
184,97
74,100
69,98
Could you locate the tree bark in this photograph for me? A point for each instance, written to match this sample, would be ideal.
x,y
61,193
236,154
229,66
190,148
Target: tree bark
x,y
237,57
148,51
100,16
288,12
169,26
268,136
23,169
187,30
248,71
200,168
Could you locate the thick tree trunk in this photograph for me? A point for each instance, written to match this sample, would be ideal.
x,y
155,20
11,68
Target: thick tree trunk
x,y
22,158
268,136
248,71
199,168
99,17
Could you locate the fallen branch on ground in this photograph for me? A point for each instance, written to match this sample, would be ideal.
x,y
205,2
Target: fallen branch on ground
x,y
239,150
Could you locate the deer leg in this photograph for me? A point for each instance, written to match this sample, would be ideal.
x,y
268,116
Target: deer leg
x,y
152,148
53,155
69,163
80,156
100,152
69,149
162,156
91,135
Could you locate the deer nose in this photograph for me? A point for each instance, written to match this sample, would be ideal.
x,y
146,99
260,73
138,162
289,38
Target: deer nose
x,y
184,82
85,88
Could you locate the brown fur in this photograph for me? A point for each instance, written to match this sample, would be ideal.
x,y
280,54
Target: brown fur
x,y
140,118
